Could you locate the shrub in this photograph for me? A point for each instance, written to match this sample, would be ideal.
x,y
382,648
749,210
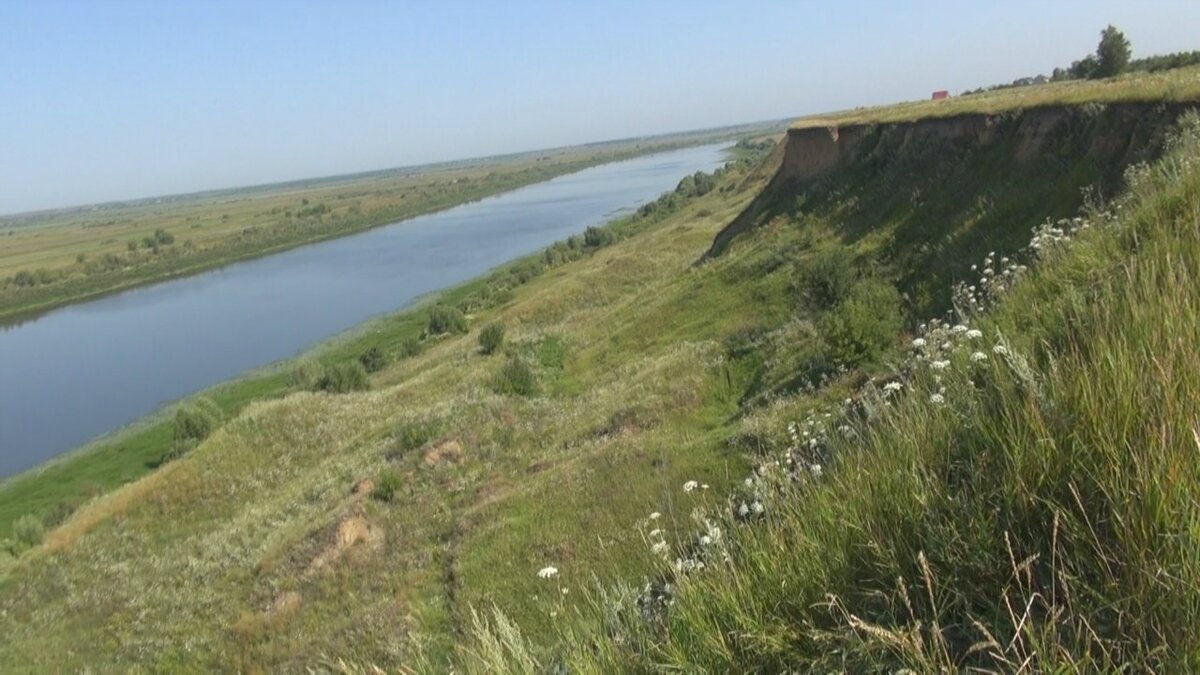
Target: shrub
x,y
373,360
827,276
864,325
28,531
344,377
412,435
443,319
197,421
516,377
387,486
595,237
491,337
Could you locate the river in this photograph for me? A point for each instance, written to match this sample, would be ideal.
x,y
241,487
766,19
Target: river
x,y
84,370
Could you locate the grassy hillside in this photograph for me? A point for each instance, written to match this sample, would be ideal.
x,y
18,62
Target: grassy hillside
x,y
579,496
1017,493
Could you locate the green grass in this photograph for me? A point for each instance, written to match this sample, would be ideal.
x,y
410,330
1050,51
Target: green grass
x,y
1041,517
263,548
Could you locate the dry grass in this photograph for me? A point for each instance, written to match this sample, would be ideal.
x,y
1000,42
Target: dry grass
x,y
1180,85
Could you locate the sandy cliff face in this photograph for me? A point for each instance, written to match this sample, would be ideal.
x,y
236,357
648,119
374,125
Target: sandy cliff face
x,y
1110,135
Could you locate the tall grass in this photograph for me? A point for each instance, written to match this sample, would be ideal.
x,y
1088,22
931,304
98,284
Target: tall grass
x,y
1024,498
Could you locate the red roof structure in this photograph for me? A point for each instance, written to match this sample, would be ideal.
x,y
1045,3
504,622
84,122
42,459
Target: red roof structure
x,y
942,94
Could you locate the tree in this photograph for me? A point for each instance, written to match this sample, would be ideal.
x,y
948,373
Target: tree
x,y
1112,55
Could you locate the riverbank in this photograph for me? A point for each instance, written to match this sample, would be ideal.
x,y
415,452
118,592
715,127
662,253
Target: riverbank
x,y
74,255
53,489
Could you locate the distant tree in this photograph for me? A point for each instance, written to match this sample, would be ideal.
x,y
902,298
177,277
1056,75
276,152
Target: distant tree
x,y
1112,56
1084,68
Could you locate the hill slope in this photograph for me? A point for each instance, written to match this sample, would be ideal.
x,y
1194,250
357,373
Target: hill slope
x,y
372,527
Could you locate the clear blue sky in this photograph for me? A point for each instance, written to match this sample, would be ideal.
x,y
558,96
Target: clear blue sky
x,y
121,99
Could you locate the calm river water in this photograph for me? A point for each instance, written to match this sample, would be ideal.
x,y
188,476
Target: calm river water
x,y
84,370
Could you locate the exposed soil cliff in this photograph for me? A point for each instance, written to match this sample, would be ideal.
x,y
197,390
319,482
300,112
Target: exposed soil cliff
x,y
1111,136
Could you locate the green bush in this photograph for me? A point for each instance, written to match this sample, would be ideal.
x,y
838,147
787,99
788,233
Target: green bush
x,y
443,319
389,483
344,377
516,378
827,276
595,237
865,324
491,337
373,360
197,421
28,531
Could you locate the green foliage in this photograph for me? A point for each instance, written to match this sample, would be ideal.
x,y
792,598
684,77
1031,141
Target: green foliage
x,y
373,360
1112,56
410,347
552,352
302,375
410,436
491,338
389,483
195,422
443,319
28,531
863,326
826,276
595,237
515,378
342,378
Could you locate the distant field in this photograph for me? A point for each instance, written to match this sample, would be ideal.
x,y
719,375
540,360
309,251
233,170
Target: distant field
x,y
53,258
1182,84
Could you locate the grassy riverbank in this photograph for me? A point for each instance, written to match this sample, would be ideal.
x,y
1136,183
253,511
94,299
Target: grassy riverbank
x,y
54,258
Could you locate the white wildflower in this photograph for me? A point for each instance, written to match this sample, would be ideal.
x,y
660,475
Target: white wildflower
x,y
548,572
978,357
655,516
749,482
705,540
656,532
1000,349
937,398
939,365
974,334
815,470
690,485
918,343
758,508
891,387
660,547
743,510
959,329
704,486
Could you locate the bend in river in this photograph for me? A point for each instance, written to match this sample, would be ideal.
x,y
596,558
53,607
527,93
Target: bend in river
x,y
84,370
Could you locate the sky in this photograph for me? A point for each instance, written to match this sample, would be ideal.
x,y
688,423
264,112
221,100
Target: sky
x,y
124,99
